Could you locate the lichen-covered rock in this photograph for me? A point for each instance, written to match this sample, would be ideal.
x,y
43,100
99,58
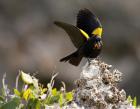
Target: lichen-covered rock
x,y
97,87
73,105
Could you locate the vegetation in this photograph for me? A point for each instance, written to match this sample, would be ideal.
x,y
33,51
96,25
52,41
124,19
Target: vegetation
x,y
133,101
32,94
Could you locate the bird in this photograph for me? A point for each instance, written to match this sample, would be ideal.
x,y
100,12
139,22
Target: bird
x,y
86,36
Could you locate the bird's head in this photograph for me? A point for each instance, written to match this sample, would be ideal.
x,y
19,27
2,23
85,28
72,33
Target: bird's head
x,y
97,41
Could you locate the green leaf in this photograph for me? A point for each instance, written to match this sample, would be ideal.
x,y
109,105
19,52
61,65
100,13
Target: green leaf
x,y
69,96
34,104
1,98
16,92
44,90
129,99
54,92
61,100
54,99
11,104
48,100
26,78
134,102
26,94
21,106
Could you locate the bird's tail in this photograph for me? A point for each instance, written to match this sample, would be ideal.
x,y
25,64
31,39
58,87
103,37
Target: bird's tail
x,y
73,58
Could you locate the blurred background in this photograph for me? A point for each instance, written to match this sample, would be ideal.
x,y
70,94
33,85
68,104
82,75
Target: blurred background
x,y
29,40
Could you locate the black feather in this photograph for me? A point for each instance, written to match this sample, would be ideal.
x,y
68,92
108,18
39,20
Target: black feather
x,y
87,21
73,58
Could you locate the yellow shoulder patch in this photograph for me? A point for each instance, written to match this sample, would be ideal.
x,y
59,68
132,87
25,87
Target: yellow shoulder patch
x,y
97,31
84,33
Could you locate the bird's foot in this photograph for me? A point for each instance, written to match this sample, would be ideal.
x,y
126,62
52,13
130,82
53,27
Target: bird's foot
x,y
98,58
89,61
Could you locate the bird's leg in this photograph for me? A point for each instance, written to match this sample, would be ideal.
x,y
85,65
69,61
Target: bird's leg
x,y
88,61
98,58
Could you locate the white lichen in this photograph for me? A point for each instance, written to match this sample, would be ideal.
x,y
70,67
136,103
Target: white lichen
x,y
97,89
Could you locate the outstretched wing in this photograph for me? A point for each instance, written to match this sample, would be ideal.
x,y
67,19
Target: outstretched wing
x,y
88,22
77,36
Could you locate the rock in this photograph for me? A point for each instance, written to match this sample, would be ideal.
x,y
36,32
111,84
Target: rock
x,y
97,87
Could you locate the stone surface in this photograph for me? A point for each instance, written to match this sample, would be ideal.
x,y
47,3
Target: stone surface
x,y
97,89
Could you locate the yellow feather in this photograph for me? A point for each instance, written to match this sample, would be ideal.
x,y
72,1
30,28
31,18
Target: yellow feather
x,y
84,33
98,31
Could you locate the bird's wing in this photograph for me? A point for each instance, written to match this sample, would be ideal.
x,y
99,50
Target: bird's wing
x,y
88,22
77,36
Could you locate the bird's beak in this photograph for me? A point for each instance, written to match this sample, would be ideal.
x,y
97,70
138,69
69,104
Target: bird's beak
x,y
98,45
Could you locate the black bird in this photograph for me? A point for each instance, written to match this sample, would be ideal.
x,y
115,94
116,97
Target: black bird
x,y
86,37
